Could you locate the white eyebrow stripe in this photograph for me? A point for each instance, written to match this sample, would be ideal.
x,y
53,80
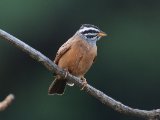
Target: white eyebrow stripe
x,y
91,34
90,28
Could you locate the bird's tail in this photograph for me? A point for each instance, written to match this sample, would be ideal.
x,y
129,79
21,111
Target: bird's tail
x,y
57,87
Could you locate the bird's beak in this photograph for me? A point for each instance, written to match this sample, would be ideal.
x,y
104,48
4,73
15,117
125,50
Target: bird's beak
x,y
102,34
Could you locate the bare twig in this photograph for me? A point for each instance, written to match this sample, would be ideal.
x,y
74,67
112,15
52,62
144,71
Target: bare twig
x,y
6,102
108,101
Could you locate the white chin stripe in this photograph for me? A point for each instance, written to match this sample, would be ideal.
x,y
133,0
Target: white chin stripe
x,y
88,28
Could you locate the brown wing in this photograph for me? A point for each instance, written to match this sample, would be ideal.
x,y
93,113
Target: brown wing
x,y
63,49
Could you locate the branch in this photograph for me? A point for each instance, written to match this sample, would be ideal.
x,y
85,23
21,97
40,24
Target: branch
x,y
106,100
6,102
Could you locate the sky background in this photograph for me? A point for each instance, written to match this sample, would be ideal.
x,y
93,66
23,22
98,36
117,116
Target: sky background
x,y
127,66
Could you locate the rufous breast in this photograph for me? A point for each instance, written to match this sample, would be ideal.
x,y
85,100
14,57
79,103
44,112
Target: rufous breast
x,y
79,58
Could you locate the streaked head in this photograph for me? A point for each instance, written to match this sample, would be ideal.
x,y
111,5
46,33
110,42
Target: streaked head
x,y
90,32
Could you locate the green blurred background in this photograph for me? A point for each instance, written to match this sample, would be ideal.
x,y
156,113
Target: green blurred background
x,y
127,67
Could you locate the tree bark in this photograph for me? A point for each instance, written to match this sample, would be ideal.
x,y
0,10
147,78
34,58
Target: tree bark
x,y
103,98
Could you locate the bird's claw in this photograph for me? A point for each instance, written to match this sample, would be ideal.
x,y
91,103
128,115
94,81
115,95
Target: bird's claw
x,y
84,83
66,73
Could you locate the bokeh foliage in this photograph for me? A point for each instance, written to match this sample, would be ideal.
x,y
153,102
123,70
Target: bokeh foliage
x,y
127,67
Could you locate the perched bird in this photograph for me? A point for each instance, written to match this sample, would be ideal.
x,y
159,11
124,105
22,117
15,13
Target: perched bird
x,y
76,56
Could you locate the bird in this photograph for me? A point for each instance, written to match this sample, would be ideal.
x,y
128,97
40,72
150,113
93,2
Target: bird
x,y
76,56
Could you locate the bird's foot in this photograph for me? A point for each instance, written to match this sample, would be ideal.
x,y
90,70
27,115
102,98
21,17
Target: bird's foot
x,y
84,82
66,73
